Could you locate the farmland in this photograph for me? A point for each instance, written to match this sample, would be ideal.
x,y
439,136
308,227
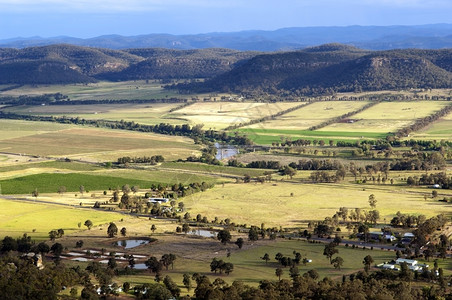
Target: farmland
x,y
218,115
148,114
36,219
46,156
311,115
90,143
388,116
273,204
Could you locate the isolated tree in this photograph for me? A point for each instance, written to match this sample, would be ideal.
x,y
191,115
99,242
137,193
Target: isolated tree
x,y
185,228
367,261
125,189
294,272
239,243
337,262
81,189
279,272
372,201
56,249
330,250
224,236
123,231
289,171
253,234
135,188
153,228
61,190
186,281
35,193
112,230
53,234
266,257
112,264
88,224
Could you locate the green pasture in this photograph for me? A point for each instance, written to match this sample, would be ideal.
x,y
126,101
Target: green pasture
x,y
440,130
10,129
49,183
211,169
272,203
61,165
162,176
37,219
268,136
268,139
251,269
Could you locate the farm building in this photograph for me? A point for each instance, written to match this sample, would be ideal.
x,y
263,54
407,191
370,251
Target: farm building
x,y
158,200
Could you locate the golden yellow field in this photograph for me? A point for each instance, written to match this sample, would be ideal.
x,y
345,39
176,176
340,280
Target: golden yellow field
x,y
272,204
219,115
311,115
388,116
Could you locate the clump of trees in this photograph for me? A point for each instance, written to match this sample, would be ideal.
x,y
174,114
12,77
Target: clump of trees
x,y
153,160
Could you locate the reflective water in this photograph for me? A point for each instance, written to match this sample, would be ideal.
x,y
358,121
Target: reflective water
x,y
225,151
128,244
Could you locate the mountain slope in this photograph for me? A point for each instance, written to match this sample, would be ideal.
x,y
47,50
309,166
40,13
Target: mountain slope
x,y
336,68
77,64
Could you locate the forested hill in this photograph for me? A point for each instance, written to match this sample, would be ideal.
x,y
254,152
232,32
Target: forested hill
x,y
74,64
335,68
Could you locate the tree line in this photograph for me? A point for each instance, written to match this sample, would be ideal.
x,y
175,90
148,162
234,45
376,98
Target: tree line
x,y
194,132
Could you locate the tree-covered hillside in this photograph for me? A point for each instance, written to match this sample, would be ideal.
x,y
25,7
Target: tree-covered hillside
x,y
335,68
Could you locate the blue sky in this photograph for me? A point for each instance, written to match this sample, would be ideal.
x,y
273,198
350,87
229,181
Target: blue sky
x,y
90,18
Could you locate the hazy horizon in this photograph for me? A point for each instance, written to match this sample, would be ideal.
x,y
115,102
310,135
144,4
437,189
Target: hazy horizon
x,y
82,19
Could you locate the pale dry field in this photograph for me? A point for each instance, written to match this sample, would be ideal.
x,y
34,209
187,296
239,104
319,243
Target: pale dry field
x,y
388,116
93,144
219,115
149,114
311,115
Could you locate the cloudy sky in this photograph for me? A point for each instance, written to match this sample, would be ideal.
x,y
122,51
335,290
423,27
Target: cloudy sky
x,y
89,18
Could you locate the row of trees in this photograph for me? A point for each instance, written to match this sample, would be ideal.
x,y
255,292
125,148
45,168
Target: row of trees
x,y
194,132
155,159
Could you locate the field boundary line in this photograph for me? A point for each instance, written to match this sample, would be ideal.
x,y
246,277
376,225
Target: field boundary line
x,y
271,117
344,116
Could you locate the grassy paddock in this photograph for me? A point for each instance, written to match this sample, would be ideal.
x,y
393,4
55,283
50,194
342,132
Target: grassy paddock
x,y
219,115
210,169
49,183
17,218
149,114
97,144
388,116
313,114
272,204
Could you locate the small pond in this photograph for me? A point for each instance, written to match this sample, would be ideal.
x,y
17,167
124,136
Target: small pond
x,y
225,151
203,233
140,266
129,244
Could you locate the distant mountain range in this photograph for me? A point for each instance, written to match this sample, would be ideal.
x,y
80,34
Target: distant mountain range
x,y
316,70
435,36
